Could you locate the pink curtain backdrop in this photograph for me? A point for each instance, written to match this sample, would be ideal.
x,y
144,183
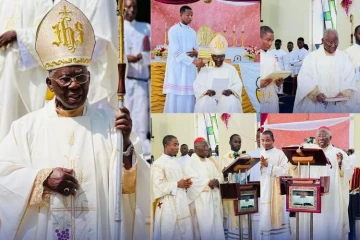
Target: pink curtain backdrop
x,y
214,14
192,1
340,132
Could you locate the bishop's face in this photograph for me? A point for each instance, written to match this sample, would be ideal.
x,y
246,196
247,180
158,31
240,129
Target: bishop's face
x,y
323,138
202,149
218,59
70,85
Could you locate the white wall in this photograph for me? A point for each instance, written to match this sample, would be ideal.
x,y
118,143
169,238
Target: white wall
x,y
290,19
343,23
182,126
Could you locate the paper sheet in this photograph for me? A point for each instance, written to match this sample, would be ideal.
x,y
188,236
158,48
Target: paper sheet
x,y
219,85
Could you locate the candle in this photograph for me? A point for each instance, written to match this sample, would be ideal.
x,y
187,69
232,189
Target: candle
x,y
165,25
242,29
225,28
234,28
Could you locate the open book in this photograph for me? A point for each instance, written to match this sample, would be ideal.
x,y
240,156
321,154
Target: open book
x,y
219,85
275,76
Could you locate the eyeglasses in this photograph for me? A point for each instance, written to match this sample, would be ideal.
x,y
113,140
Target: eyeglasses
x,y
67,80
218,57
331,43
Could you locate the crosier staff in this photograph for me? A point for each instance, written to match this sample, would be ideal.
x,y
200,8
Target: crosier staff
x,y
121,98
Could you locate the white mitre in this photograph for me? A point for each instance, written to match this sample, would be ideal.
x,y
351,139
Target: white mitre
x,y
218,44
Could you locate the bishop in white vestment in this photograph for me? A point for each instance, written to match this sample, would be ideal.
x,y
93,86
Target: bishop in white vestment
x,y
218,89
181,65
354,54
58,164
204,194
172,214
333,221
274,220
326,73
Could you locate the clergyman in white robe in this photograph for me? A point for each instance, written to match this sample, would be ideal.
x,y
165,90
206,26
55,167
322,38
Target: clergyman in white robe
x,y
180,71
274,220
297,60
172,214
279,55
218,103
333,221
137,80
354,54
269,102
42,140
329,74
22,78
205,203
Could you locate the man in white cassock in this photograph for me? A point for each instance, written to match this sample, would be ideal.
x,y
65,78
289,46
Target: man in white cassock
x,y
354,54
58,164
181,65
22,85
231,222
279,54
184,150
289,57
298,57
326,73
218,89
137,35
269,102
204,194
333,221
274,220
172,214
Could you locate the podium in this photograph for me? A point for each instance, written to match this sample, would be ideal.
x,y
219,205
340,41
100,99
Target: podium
x,y
244,196
304,194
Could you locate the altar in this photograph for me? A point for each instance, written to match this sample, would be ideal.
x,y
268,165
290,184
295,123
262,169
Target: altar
x,y
248,71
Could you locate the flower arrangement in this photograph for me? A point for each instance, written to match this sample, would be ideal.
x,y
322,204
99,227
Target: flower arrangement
x,y
225,118
346,5
251,52
160,51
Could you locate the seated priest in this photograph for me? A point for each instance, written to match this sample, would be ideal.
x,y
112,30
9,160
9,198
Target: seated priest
x,y
58,164
218,89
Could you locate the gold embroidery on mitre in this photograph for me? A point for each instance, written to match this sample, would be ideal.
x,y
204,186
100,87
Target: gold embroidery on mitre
x,y
218,44
65,37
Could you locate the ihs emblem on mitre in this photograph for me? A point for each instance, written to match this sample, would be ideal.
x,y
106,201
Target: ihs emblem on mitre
x,y
65,37
207,1
218,44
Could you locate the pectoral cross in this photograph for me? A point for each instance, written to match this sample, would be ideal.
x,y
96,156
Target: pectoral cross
x,y
159,205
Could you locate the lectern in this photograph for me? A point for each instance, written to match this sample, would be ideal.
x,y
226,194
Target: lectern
x,y
304,194
244,196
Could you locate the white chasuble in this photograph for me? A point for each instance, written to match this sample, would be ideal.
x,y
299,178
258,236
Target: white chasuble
x,y
274,220
269,102
42,140
218,103
327,74
205,203
333,221
172,214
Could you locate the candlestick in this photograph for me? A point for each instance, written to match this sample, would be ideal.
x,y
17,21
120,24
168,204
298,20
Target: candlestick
x,y
166,37
242,28
234,38
234,28
242,39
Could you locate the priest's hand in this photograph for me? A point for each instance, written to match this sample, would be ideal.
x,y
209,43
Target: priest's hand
x,y
211,184
132,59
265,82
7,37
339,158
279,82
227,92
198,63
216,183
320,97
263,162
184,183
210,93
193,53
62,181
123,122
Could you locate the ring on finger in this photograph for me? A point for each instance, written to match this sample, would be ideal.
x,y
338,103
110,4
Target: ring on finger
x,y
66,190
